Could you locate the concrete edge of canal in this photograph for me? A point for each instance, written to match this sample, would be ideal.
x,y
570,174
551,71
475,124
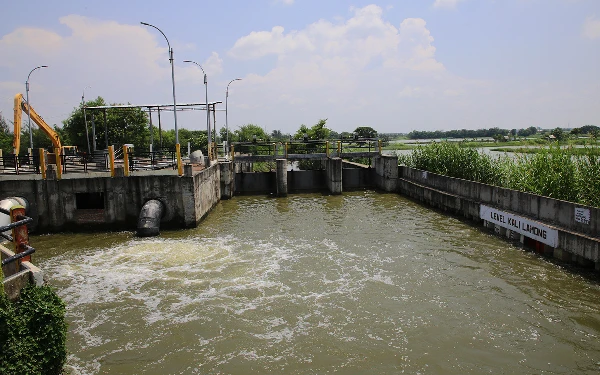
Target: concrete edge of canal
x,y
564,230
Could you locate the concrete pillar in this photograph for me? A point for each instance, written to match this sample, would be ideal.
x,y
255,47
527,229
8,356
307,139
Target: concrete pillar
x,y
51,172
333,177
188,170
386,171
119,171
227,179
281,173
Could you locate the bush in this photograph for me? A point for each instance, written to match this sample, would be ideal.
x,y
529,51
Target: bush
x,y
571,174
33,333
455,160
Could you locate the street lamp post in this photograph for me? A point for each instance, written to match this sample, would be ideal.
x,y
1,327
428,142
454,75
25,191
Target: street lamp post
x,y
205,99
29,106
226,120
172,79
87,134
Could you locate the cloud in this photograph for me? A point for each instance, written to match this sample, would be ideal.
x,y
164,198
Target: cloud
x,y
352,66
213,66
591,28
121,62
448,4
285,2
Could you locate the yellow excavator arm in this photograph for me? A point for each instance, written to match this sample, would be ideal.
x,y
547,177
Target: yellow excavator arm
x,y
22,105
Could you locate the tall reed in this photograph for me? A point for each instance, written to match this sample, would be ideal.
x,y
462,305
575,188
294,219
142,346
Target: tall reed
x,y
552,171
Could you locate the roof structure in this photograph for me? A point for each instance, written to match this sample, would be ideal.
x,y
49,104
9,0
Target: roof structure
x,y
162,107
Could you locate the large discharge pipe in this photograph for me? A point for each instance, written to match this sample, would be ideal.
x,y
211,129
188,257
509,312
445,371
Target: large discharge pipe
x,y
7,204
149,219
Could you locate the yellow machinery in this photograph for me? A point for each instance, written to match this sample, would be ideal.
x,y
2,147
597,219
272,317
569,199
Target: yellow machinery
x,y
22,105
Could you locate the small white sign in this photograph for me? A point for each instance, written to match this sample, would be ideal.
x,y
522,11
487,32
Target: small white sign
x,y
582,215
424,175
524,226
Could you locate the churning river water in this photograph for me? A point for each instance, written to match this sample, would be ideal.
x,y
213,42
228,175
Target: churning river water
x,y
363,283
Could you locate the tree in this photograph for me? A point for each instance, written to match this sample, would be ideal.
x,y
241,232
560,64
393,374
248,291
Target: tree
x,y
317,131
124,126
588,129
6,136
304,130
558,133
575,132
247,133
198,139
365,132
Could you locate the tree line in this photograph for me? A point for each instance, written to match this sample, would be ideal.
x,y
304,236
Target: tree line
x,y
132,126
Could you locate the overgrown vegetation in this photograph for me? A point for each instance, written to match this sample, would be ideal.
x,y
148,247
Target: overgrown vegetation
x,y
33,333
553,171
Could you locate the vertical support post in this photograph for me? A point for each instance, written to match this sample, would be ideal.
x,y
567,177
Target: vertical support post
x,y
281,175
232,152
20,234
274,149
111,160
215,127
93,133
43,163
339,149
126,160
379,142
386,172
159,130
178,154
106,131
151,129
286,149
327,148
58,163
87,133
333,171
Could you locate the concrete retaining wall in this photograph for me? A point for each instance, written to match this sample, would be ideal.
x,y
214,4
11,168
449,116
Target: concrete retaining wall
x,y
353,177
255,183
17,279
54,202
545,209
577,242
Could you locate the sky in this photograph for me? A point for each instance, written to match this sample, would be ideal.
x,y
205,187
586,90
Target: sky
x,y
396,66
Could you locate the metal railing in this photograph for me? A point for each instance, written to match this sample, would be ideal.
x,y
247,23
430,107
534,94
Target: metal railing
x,y
20,164
83,162
21,239
308,147
146,160
264,149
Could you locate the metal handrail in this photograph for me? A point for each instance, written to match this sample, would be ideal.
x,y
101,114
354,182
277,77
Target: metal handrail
x,y
22,220
29,250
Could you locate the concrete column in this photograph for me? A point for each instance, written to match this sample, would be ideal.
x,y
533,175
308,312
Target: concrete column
x,y
281,173
227,179
333,177
188,170
119,171
386,171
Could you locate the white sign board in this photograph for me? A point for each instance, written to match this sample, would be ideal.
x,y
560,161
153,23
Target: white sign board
x,y
524,226
582,215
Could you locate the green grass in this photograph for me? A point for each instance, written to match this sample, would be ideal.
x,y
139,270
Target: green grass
x,y
571,174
